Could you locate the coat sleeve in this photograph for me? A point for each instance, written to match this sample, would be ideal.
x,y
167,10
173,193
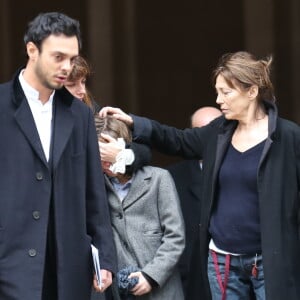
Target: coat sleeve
x,y
142,156
162,266
97,211
188,143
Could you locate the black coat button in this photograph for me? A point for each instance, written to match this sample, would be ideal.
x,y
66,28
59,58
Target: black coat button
x,y
32,252
120,216
36,214
39,175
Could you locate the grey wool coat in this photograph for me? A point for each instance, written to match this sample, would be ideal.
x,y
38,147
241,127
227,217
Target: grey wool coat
x,y
148,230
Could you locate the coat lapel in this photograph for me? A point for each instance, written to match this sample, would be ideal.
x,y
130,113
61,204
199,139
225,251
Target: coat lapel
x,y
63,122
223,141
24,119
139,187
26,122
195,186
63,125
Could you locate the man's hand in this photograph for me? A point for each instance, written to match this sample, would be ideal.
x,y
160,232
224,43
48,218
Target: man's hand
x,y
106,277
116,113
142,287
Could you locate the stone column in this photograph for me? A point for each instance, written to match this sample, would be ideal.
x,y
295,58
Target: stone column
x,y
112,52
6,39
259,27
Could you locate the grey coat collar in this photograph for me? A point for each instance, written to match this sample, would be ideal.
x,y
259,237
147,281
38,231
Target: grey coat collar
x,y
140,186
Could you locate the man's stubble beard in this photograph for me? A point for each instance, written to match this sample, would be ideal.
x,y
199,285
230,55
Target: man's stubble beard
x,y
39,71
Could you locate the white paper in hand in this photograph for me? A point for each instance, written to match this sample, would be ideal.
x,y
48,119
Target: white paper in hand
x,y
95,254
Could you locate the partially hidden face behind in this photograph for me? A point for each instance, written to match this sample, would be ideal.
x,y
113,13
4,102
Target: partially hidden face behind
x,y
110,129
105,164
76,82
77,87
53,63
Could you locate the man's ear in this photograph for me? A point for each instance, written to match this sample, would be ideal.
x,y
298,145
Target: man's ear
x,y
32,51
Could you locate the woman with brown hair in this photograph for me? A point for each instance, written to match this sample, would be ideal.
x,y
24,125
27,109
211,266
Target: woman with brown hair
x,y
119,157
76,82
250,210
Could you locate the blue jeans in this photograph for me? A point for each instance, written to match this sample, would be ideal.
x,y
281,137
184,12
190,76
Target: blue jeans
x,y
241,283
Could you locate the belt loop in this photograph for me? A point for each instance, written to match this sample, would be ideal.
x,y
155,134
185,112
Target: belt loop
x,y
222,283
